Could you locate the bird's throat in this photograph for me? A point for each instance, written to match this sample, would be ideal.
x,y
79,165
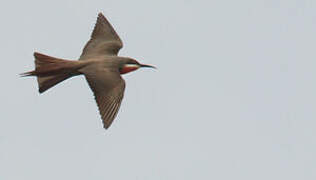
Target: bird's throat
x,y
127,69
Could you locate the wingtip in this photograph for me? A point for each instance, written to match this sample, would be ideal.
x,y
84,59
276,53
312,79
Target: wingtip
x,y
100,14
106,127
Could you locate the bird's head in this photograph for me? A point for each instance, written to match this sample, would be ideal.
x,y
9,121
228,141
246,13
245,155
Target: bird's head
x,y
130,65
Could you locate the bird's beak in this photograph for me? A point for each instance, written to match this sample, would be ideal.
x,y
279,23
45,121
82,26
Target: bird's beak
x,y
148,66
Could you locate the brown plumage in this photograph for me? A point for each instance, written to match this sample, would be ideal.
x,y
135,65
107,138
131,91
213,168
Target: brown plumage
x,y
100,65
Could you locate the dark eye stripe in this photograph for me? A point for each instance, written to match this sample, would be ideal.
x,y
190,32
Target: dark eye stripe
x,y
132,62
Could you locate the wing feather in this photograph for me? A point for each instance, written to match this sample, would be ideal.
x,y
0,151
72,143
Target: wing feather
x,y
104,40
108,89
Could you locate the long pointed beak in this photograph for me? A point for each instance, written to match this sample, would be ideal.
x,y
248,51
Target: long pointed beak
x,y
148,66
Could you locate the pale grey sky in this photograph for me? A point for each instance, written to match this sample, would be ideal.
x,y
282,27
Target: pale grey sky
x,y
233,96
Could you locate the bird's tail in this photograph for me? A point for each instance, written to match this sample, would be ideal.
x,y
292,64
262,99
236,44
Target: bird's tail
x,y
51,71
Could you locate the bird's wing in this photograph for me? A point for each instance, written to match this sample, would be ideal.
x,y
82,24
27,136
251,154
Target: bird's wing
x,y
108,88
104,40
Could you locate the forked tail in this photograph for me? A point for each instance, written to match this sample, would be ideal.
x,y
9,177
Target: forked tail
x,y
51,71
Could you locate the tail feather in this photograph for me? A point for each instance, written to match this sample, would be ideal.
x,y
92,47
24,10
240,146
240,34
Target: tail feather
x,y
47,82
51,71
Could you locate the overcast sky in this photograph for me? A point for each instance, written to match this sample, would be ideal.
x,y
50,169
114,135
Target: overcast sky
x,y
233,96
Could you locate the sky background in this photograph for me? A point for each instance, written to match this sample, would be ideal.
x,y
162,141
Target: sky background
x,y
233,96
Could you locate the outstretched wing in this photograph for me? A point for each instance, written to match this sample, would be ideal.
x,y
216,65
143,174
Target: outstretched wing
x,y
104,40
108,88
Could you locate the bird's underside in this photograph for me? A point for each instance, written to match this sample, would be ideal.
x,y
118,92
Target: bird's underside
x,y
105,81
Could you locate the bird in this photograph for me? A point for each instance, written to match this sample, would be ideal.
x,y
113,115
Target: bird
x,y
99,63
